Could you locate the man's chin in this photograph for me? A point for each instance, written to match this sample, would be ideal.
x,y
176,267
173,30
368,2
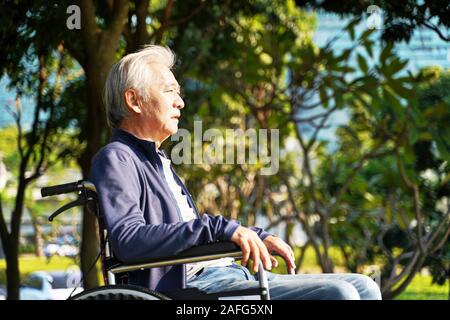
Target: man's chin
x,y
173,130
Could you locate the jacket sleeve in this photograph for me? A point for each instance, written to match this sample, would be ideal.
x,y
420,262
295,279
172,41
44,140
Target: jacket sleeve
x,y
261,232
118,186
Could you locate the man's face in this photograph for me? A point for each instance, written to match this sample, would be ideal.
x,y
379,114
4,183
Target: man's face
x,y
162,111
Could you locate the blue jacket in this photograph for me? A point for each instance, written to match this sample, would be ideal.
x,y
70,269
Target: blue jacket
x,y
141,214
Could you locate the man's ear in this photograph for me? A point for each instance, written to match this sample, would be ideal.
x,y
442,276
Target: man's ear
x,y
132,100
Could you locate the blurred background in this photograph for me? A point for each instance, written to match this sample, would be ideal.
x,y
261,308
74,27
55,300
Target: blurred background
x,y
359,90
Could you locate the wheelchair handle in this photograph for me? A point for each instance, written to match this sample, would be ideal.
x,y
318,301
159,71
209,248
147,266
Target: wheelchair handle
x,y
263,282
62,188
81,187
67,188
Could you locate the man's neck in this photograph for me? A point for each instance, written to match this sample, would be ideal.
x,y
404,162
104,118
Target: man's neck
x,y
137,132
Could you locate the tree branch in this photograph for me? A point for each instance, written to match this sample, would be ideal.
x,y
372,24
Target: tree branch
x,y
372,154
17,115
4,234
436,29
432,236
320,126
311,118
442,242
141,37
90,31
189,16
38,170
415,190
304,222
110,36
165,22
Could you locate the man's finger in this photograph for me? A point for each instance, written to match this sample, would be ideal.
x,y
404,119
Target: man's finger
x,y
288,258
292,252
255,255
291,270
274,261
264,255
245,252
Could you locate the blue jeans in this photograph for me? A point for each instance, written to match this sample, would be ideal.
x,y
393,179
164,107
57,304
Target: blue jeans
x,y
328,286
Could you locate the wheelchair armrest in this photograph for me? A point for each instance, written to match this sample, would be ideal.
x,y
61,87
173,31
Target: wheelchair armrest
x,y
224,247
195,254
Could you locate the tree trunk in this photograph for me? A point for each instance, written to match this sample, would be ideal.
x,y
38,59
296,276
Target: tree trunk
x,y
95,127
12,270
12,246
99,46
39,242
89,251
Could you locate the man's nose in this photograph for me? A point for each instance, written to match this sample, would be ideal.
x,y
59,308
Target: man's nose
x,y
179,103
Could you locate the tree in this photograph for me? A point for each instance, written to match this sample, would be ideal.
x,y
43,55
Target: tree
x,y
401,19
395,209
108,30
250,80
247,64
33,147
432,152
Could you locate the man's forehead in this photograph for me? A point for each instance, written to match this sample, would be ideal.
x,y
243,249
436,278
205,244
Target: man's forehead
x,y
166,77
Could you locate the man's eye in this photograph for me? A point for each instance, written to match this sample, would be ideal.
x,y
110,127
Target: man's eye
x,y
180,93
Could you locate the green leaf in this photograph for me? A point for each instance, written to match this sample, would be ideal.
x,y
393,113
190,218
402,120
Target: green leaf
x,y
437,111
366,34
386,52
388,214
393,101
443,146
368,46
398,88
339,99
396,65
351,27
362,63
425,136
413,136
323,97
345,54
345,69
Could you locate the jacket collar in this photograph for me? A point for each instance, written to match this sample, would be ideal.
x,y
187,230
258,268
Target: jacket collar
x,y
129,138
149,148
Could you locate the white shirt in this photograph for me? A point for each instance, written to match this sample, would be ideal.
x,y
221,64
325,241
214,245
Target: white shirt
x,y
187,213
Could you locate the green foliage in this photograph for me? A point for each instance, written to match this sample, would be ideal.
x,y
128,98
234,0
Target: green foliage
x,y
253,64
8,148
29,264
252,78
378,204
422,288
400,20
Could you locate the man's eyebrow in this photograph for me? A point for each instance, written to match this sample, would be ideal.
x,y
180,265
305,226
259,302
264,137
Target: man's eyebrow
x,y
172,84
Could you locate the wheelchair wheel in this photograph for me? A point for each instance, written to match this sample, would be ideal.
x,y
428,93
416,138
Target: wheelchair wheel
x,y
119,292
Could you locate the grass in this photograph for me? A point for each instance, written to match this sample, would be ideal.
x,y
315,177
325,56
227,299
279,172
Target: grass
x,y
29,264
420,287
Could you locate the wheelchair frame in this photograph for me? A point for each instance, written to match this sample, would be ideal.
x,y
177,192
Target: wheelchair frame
x,y
115,272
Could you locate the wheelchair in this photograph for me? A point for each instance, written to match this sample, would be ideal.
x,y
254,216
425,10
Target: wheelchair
x,y
115,271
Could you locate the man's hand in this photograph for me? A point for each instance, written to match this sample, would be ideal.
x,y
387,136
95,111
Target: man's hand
x,y
276,245
251,244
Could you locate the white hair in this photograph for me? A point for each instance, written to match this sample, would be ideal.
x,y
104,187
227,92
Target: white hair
x,y
132,72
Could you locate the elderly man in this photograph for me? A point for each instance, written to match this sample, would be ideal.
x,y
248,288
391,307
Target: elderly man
x,y
149,212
